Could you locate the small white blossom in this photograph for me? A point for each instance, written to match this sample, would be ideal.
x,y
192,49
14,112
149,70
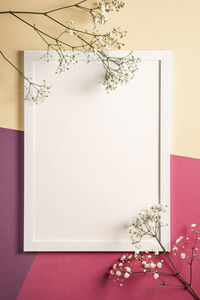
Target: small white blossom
x,y
123,257
118,273
114,266
112,272
175,248
126,275
179,239
183,255
128,269
156,276
120,264
159,265
152,265
193,225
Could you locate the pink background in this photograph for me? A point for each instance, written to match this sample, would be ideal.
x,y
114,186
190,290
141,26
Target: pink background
x,y
83,276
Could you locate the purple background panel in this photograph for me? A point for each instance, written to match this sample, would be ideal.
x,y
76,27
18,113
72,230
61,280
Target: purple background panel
x,y
14,264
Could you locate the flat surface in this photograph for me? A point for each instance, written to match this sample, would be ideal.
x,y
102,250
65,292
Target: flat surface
x,y
94,154
96,157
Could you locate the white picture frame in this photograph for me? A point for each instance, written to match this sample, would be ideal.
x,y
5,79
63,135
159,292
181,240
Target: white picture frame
x,y
37,236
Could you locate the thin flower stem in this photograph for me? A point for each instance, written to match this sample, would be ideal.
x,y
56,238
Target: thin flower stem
x,y
160,273
192,258
43,13
64,7
169,284
24,78
32,26
117,70
19,72
184,282
75,30
21,12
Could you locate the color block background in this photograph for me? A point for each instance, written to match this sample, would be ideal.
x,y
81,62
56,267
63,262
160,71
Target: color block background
x,y
152,25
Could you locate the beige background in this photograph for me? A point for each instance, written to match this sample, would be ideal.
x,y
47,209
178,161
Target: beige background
x,y
151,24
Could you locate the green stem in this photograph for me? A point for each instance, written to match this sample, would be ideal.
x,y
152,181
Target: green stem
x,y
169,284
19,72
46,34
75,30
42,13
64,7
184,282
192,258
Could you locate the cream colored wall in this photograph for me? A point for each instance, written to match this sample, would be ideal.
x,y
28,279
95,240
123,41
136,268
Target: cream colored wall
x,y
152,25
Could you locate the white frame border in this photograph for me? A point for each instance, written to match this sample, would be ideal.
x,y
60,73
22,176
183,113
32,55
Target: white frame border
x,y
30,244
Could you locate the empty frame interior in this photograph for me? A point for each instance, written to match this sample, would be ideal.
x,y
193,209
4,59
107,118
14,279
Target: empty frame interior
x,y
93,160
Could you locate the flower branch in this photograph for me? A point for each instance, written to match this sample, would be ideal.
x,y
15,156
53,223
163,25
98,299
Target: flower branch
x,y
148,224
93,44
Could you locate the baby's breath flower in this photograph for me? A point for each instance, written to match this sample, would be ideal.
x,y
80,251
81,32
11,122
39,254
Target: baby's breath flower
x,y
126,275
152,265
150,219
118,273
182,255
122,71
179,239
36,92
159,265
156,276
128,269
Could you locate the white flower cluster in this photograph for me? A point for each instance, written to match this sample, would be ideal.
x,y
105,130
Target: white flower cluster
x,y
139,262
185,247
104,7
121,270
36,92
109,40
93,44
147,223
65,61
120,70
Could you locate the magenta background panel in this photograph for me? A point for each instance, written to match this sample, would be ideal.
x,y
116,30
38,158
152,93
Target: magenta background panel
x,y
74,276
80,276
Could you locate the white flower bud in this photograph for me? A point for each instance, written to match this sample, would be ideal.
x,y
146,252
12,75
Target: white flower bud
x,y
156,276
126,275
